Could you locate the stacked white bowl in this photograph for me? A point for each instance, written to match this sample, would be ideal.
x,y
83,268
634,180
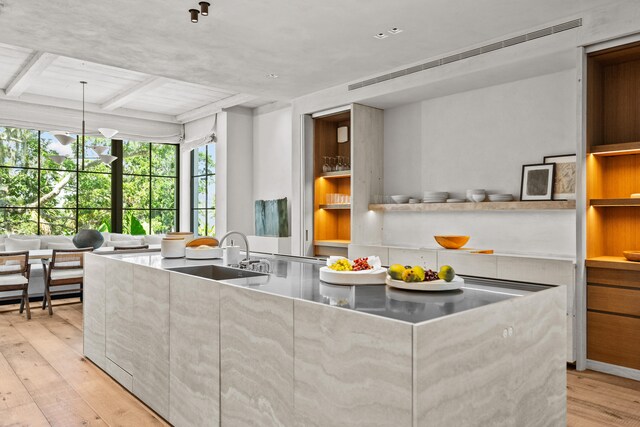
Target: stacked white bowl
x,y
477,195
435,196
500,197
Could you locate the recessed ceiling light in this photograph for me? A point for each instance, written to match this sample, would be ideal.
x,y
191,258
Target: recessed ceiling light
x,y
395,30
272,76
204,8
381,36
194,15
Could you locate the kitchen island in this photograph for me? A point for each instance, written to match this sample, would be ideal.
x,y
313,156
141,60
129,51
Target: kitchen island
x,y
206,345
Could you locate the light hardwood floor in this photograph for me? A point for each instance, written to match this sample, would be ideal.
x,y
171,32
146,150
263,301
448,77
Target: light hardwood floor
x,y
45,380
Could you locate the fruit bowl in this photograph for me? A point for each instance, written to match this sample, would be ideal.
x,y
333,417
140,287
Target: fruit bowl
x,y
452,242
432,286
632,255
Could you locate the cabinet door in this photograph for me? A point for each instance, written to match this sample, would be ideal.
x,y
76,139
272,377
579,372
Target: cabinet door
x,y
150,346
194,373
478,265
119,312
94,312
256,352
351,368
423,257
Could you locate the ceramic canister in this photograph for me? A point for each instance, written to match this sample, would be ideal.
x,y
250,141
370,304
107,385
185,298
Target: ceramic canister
x,y
173,247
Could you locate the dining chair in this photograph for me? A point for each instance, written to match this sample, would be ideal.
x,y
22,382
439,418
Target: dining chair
x,y
14,276
65,268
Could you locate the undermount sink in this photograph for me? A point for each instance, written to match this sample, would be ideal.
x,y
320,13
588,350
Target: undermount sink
x,y
216,272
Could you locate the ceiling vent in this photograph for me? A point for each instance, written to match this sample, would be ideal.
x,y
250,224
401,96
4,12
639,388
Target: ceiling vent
x,y
473,52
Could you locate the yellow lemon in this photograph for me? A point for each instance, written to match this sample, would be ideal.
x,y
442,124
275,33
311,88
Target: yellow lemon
x,y
395,271
446,273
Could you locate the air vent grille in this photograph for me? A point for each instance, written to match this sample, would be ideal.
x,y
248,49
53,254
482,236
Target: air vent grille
x,y
473,52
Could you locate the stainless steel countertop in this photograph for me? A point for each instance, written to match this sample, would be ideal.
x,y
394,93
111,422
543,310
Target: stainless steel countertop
x,y
298,278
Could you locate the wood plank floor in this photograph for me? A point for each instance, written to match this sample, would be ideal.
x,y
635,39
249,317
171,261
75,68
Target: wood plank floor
x,y
45,380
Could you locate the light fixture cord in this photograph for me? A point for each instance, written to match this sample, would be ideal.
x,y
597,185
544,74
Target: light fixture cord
x,y
83,129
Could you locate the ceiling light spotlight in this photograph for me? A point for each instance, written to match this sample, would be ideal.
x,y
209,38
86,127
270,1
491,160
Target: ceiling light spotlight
x,y
194,15
273,76
395,30
381,36
204,8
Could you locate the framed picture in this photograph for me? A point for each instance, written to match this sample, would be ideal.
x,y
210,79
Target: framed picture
x,y
564,183
537,181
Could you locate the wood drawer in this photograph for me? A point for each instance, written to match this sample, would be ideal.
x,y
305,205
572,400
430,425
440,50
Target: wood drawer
x,y
613,300
613,339
609,276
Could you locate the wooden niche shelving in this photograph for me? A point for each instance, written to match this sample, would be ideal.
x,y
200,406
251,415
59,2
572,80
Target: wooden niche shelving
x,y
332,220
613,217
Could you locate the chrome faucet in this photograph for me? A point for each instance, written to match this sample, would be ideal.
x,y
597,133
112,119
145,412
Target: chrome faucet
x,y
246,243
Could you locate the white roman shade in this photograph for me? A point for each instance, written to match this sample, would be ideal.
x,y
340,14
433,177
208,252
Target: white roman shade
x,y
46,118
199,132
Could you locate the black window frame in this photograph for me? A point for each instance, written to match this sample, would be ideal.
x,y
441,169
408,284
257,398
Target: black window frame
x,y
194,188
116,173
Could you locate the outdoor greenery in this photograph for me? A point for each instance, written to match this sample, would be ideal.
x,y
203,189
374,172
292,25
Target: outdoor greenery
x,y
203,164
38,196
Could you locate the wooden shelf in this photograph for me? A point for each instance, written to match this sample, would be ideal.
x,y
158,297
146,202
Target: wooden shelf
x,y
613,262
332,243
616,149
482,206
614,202
340,206
335,174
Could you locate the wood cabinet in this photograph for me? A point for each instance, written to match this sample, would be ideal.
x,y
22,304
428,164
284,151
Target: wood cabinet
x,y
613,217
341,197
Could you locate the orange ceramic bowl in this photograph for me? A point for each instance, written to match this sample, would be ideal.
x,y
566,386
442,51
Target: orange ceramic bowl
x,y
452,242
632,255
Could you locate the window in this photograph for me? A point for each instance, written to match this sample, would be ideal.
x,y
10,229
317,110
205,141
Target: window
x,y
149,187
203,195
38,196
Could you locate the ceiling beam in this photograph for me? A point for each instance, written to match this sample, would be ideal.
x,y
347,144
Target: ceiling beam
x,y
214,107
70,104
128,94
32,68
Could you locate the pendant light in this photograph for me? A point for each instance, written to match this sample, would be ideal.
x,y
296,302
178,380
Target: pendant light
x,y
65,139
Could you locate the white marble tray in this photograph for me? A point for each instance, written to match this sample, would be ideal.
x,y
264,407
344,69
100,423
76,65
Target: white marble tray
x,y
433,286
353,278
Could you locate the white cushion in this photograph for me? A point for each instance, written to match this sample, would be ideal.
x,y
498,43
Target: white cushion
x,y
71,273
117,237
53,239
56,245
124,243
2,237
153,239
12,279
11,244
2,249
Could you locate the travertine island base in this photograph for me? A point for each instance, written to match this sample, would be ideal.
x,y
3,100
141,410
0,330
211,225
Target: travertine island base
x,y
287,350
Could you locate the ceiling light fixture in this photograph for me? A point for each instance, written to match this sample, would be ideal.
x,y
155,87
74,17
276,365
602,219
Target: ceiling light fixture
x,y
381,36
272,76
395,30
204,8
65,139
194,15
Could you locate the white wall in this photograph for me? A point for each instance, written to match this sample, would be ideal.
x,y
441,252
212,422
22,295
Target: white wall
x,y
234,173
481,139
272,154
